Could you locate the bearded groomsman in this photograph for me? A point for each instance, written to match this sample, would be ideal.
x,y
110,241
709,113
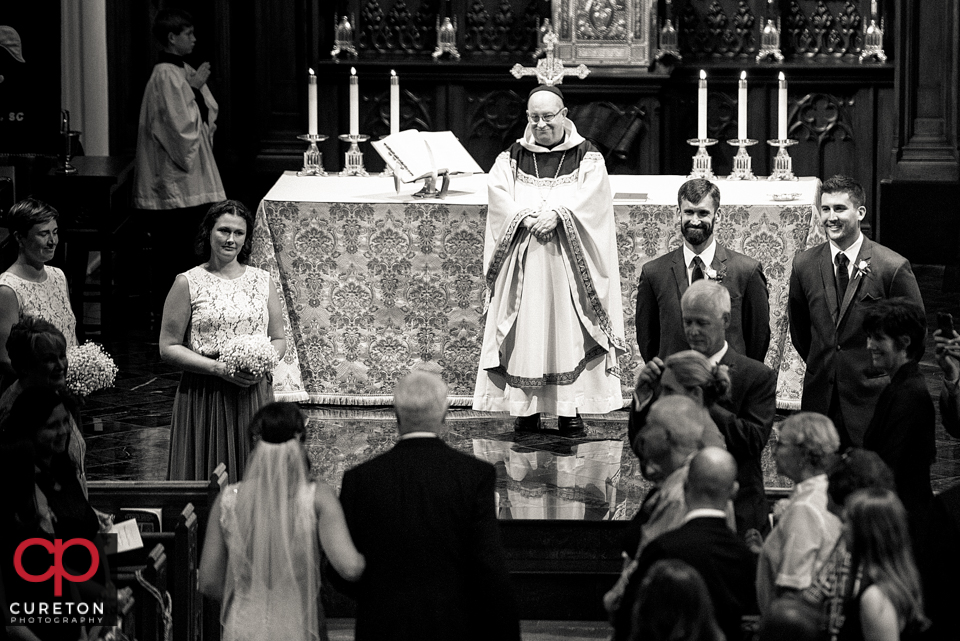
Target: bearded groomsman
x,y
664,280
832,287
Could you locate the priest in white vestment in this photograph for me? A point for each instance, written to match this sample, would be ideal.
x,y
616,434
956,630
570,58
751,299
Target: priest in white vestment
x,y
554,318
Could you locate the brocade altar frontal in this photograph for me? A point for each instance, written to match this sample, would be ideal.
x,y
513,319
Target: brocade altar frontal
x,y
374,283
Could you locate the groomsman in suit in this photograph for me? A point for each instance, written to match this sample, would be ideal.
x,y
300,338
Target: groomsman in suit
x,y
706,542
832,287
664,280
423,515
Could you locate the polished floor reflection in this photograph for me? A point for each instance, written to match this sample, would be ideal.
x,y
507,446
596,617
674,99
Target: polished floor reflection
x,y
540,476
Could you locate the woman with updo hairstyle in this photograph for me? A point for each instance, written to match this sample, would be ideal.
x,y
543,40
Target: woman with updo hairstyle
x,y
887,600
807,531
207,306
29,287
673,604
261,557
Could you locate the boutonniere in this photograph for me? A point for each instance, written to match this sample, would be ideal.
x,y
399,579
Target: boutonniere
x,y
863,268
716,274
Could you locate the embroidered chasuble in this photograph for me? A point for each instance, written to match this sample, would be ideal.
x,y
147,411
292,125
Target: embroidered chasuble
x,y
554,320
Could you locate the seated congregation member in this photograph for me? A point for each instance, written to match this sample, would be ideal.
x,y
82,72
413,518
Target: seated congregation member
x,y
706,542
904,423
38,353
856,469
29,287
664,280
423,516
689,373
887,602
673,603
807,531
221,298
50,502
745,416
261,556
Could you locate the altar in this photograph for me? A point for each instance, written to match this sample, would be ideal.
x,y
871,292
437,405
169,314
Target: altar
x,y
374,283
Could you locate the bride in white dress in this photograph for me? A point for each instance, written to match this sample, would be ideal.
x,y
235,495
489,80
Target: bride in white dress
x,y
261,555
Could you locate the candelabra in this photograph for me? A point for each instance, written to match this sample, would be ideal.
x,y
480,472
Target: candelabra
x,y
742,163
312,157
702,163
782,163
353,158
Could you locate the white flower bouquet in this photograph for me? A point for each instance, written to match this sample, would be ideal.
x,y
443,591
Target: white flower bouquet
x,y
250,353
89,368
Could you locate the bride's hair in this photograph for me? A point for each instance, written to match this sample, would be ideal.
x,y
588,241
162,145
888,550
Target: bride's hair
x,y
278,423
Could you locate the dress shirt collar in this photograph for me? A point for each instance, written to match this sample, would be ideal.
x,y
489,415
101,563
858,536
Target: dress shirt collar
x,y
851,252
705,513
706,256
409,435
716,358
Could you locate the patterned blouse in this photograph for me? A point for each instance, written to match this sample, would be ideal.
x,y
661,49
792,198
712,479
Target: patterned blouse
x,y
49,300
221,309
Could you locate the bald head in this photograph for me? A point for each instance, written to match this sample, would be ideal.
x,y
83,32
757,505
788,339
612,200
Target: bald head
x,y
420,402
711,480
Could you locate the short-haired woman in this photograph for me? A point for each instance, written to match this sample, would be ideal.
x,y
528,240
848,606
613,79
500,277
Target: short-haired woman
x,y
807,531
207,305
29,287
903,427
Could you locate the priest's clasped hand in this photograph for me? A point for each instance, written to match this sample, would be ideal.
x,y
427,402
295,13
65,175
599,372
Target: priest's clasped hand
x,y
543,224
199,77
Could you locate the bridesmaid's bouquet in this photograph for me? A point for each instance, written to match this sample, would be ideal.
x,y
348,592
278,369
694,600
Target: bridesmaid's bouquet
x,y
89,368
250,353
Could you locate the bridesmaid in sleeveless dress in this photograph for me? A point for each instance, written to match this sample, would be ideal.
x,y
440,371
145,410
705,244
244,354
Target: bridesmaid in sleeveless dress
x,y
208,305
261,555
30,287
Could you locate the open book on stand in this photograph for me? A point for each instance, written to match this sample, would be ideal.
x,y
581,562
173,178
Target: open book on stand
x,y
423,155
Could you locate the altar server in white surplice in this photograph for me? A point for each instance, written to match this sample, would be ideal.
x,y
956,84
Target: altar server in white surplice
x,y
554,319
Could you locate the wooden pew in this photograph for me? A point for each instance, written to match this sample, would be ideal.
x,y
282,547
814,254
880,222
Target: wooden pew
x,y
185,506
148,611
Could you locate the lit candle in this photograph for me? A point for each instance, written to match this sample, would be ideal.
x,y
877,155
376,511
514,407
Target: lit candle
x,y
312,104
394,102
782,109
742,107
354,103
702,106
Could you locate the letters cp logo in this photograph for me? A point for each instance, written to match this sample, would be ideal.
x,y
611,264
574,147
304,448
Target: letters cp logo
x,y
56,570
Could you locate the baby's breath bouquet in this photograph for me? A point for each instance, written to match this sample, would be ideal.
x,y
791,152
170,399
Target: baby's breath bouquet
x,y
89,368
250,353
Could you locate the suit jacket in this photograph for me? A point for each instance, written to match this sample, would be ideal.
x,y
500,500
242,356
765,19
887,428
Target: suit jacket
x,y
423,516
903,432
746,419
722,559
830,337
663,281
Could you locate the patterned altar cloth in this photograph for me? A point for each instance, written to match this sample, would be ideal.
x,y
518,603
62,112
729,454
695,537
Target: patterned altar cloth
x,y
374,283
